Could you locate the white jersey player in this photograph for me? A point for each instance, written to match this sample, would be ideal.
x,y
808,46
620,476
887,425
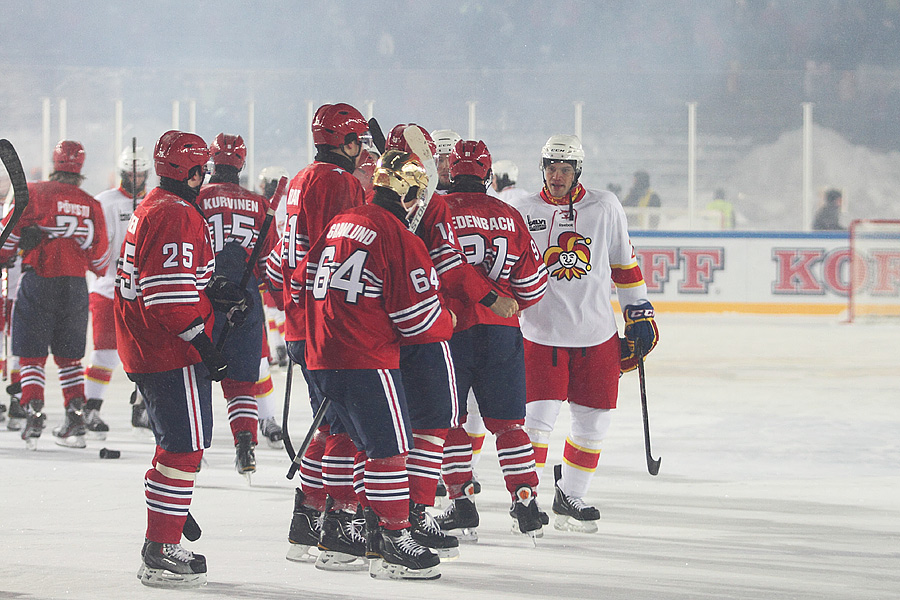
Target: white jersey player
x,y
572,347
503,185
118,205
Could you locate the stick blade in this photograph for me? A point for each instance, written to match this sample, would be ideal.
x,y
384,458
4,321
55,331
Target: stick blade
x,y
653,465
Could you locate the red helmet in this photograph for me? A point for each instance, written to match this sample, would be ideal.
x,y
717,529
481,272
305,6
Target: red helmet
x,y
177,152
396,141
335,123
470,158
228,150
68,156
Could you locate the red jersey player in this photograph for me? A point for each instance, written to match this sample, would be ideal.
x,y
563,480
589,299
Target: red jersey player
x,y
235,216
365,284
62,234
487,348
164,315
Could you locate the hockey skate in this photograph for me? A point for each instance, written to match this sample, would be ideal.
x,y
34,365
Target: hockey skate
x,y
2,412
271,430
95,426
71,433
17,413
306,529
425,530
342,545
572,514
461,517
34,423
139,418
245,455
171,566
525,513
399,556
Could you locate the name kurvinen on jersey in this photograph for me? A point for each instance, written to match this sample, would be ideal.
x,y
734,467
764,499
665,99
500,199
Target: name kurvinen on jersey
x,y
242,204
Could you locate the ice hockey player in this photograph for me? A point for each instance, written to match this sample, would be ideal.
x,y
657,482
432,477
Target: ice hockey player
x,y
61,236
118,205
165,293
445,140
572,347
503,185
236,216
428,368
366,283
487,348
315,195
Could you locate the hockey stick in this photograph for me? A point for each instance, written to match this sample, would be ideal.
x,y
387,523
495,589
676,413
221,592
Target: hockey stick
x,y
317,421
419,146
257,250
377,135
288,446
13,165
652,464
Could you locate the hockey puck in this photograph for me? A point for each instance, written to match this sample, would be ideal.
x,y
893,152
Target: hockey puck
x,y
106,453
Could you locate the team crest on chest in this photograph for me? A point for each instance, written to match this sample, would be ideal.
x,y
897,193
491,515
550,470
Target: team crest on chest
x,y
570,258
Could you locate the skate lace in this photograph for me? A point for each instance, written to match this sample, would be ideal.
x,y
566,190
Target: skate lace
x,y
269,426
577,503
355,529
429,524
177,552
407,544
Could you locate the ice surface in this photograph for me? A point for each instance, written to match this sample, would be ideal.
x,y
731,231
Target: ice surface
x,y
780,478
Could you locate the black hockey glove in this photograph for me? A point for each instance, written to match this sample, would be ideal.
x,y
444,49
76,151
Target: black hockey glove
x,y
30,237
227,297
213,359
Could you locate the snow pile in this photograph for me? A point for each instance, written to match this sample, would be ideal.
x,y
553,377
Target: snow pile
x,y
766,184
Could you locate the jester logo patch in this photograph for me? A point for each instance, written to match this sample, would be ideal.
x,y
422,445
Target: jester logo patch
x,y
571,258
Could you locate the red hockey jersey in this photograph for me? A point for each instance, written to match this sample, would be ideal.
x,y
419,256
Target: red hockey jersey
x,y
235,214
365,284
74,231
496,241
167,260
314,197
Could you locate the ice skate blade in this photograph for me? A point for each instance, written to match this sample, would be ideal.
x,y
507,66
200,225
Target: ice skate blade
x,y
161,578
534,534
381,569
302,553
15,424
465,535
96,435
447,553
338,561
275,444
567,523
73,441
31,443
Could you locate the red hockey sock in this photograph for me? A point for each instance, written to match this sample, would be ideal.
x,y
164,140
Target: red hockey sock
x,y
387,489
337,470
424,464
311,481
457,467
71,378
32,377
515,453
168,488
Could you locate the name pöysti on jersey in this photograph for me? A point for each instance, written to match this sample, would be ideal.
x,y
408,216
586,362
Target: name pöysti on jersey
x,y
476,222
68,208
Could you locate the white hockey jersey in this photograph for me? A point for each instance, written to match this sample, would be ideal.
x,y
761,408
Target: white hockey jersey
x,y
117,209
582,256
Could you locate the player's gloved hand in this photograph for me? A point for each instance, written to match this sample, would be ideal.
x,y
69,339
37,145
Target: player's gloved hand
x,y
640,327
30,237
228,297
641,334
213,359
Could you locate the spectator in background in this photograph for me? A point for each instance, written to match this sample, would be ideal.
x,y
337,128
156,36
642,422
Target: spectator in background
x,y
829,215
725,209
643,196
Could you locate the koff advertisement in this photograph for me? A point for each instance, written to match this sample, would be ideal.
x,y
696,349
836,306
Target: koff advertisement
x,y
765,272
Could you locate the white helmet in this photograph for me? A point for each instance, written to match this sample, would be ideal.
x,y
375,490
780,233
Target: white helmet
x,y
137,160
445,140
507,168
563,148
271,174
